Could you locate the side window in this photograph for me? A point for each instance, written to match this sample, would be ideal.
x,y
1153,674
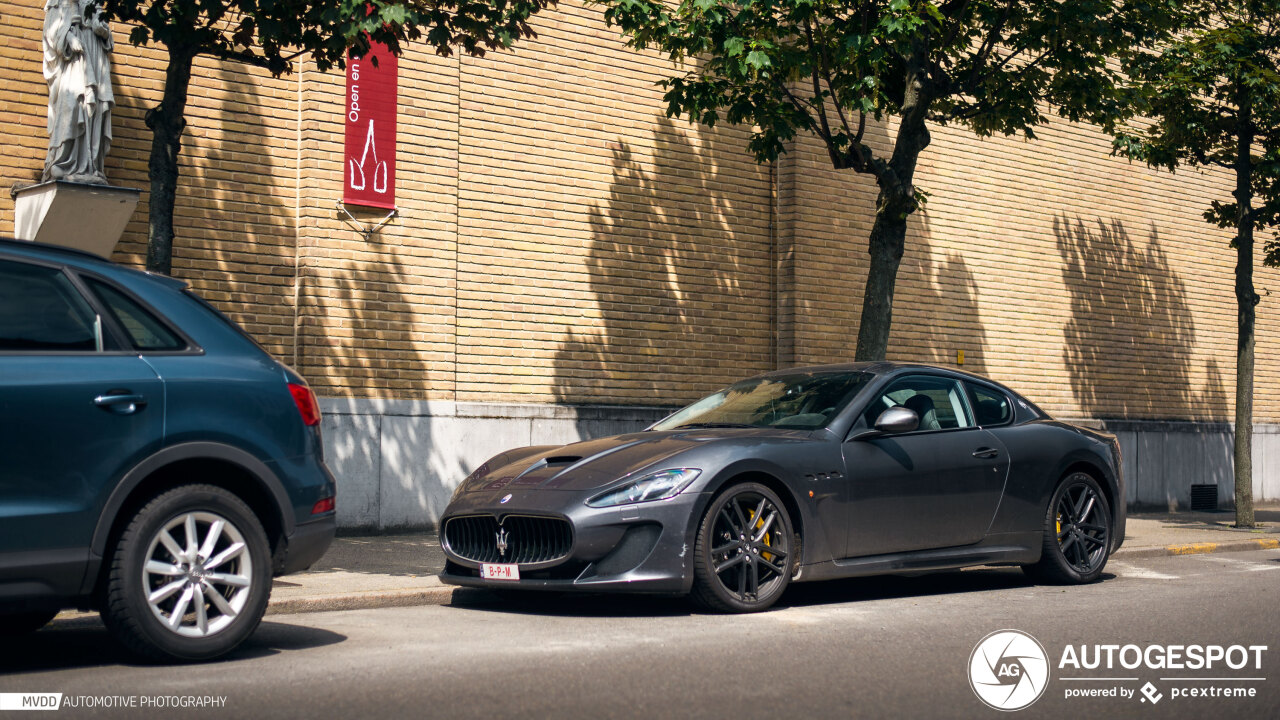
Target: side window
x,y
938,401
41,311
145,331
989,406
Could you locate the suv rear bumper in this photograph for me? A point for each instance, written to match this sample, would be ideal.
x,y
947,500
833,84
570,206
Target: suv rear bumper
x,y
306,545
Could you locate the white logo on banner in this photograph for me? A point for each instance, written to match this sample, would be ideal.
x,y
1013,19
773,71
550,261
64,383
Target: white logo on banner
x,y
379,168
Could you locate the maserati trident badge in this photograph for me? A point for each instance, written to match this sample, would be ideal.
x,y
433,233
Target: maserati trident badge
x,y
502,542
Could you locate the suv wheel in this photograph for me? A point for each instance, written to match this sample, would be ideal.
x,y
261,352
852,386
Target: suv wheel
x,y
190,576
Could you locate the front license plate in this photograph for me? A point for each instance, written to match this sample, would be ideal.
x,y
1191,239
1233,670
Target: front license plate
x,y
495,571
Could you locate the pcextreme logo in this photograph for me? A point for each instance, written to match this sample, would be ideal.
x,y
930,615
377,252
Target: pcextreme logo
x,y
1008,670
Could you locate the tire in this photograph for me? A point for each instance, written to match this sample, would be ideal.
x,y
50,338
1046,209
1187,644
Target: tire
x,y
755,568
1075,548
25,623
155,559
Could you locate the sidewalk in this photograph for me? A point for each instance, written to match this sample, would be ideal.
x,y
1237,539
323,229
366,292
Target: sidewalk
x,y
395,570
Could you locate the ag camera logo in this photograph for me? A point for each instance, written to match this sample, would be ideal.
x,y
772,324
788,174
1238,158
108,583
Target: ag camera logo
x,y
1008,670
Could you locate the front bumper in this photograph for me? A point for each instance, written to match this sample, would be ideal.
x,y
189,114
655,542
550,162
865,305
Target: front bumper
x,y
640,548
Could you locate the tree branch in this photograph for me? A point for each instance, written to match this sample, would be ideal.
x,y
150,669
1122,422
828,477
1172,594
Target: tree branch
x,y
244,56
959,20
987,47
782,85
820,104
831,86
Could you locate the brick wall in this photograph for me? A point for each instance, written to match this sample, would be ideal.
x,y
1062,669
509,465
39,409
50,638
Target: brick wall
x,y
560,240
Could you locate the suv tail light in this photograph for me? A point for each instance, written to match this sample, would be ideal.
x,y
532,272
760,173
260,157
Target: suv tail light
x,y
308,408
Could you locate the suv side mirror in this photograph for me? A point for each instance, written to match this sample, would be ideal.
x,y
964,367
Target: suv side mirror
x,y
897,420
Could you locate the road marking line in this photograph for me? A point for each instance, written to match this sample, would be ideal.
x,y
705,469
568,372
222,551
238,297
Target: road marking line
x,y
1244,565
1141,573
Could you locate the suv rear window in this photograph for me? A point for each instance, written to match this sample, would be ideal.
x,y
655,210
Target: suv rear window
x,y
145,331
41,311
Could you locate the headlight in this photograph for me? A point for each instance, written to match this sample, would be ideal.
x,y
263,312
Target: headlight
x,y
655,486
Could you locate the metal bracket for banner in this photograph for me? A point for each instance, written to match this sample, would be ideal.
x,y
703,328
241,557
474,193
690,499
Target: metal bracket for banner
x,y
365,231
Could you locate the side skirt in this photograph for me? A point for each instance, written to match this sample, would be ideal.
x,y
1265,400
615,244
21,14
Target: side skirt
x,y
921,561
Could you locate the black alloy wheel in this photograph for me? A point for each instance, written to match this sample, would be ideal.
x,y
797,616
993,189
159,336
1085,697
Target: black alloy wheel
x,y
1077,538
743,557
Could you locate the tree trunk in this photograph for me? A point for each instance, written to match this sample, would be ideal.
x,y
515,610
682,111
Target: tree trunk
x,y
1246,301
896,202
888,240
166,121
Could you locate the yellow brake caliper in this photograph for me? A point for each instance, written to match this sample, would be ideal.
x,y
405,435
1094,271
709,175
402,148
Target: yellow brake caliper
x,y
751,515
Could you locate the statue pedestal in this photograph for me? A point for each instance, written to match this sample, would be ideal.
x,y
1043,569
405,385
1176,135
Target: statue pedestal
x,y
75,215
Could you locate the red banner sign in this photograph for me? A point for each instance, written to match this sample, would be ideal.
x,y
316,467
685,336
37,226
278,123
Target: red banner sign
x,y
369,158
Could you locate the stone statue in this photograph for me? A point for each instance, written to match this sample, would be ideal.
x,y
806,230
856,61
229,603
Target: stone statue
x,y
78,70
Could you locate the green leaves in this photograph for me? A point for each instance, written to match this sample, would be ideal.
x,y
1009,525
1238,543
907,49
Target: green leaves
x,y
1209,96
272,33
828,66
758,60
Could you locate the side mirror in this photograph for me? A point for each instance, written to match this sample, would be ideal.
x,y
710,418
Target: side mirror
x,y
897,420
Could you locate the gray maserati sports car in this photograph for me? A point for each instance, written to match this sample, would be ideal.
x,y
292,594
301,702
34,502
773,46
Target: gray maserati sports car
x,y
803,474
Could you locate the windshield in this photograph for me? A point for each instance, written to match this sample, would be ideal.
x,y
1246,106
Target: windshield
x,y
803,401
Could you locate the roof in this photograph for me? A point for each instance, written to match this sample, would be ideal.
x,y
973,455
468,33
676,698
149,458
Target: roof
x,y
880,367
37,249
80,259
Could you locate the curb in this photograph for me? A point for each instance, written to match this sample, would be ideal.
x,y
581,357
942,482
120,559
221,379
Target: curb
x,y
1201,548
360,601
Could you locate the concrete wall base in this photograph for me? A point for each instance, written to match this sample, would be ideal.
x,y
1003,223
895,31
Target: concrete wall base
x,y
398,461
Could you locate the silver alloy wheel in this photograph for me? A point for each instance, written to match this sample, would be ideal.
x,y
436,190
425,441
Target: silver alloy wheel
x,y
197,574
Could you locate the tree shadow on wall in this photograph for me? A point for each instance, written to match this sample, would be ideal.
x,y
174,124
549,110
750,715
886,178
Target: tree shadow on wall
x,y
368,322
680,275
234,225
936,313
1129,340
362,325
234,234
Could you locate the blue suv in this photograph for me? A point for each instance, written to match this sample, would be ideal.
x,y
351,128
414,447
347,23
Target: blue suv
x,y
156,464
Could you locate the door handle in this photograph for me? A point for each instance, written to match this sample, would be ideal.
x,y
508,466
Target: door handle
x,y
121,402
986,452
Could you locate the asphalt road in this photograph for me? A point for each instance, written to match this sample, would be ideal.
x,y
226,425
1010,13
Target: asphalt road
x,y
881,647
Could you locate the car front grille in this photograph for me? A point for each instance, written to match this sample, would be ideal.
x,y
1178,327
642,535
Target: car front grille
x,y
528,539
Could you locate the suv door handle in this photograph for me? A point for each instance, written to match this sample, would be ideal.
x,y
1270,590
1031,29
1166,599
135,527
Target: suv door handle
x,y
986,452
121,402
